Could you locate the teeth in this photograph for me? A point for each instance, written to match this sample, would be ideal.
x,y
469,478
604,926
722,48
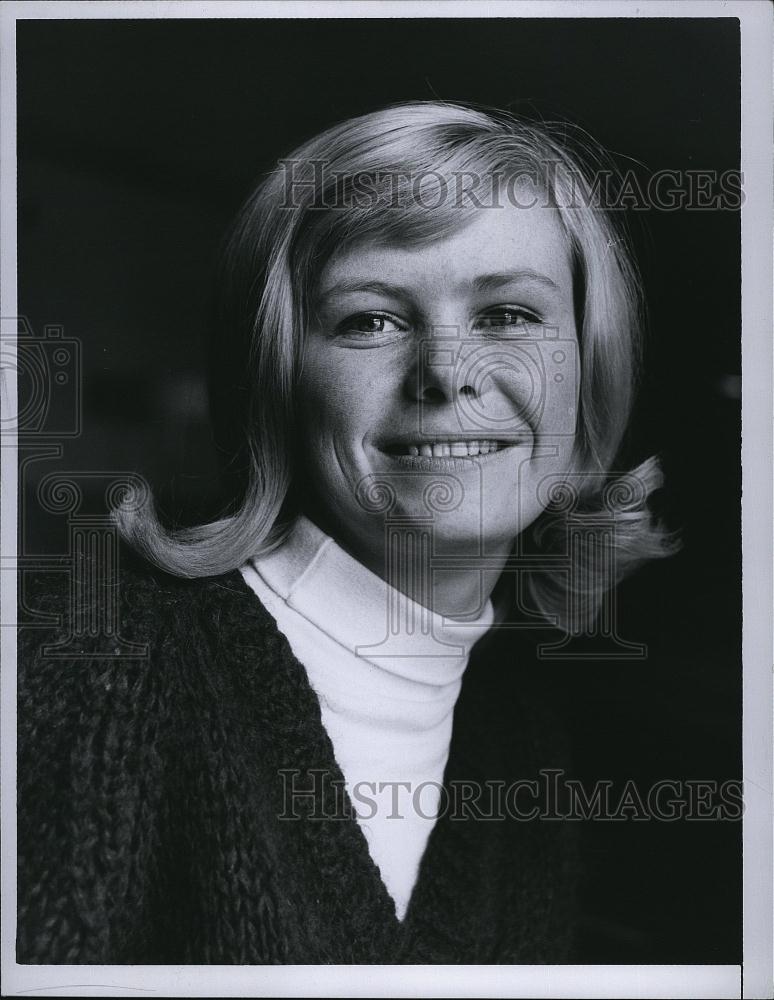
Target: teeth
x,y
452,449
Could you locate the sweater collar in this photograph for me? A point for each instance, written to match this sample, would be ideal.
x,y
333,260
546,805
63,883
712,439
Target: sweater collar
x,y
321,581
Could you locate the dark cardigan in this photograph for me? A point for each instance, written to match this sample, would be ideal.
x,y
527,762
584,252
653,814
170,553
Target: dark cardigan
x,y
151,791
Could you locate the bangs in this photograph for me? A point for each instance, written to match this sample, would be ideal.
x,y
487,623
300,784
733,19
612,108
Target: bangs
x,y
419,196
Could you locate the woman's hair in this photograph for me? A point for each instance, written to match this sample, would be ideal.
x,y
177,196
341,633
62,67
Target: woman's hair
x,y
409,175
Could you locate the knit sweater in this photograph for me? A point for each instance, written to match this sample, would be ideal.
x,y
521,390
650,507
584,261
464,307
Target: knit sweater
x,y
389,717
156,824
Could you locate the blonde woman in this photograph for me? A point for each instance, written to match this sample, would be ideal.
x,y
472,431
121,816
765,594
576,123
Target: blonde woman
x,y
328,751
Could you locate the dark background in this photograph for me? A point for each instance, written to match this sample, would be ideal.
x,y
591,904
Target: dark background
x,y
138,141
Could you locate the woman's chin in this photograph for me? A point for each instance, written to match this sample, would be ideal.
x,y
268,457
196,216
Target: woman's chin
x,y
456,532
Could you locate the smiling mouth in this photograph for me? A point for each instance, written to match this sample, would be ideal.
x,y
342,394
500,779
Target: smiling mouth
x,y
449,448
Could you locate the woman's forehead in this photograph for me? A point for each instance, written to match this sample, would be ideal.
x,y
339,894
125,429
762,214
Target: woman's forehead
x,y
496,244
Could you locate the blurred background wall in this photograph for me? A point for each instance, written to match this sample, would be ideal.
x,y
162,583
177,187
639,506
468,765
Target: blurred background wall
x,y
139,140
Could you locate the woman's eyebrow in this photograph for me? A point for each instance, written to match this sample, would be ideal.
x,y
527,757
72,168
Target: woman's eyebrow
x,y
481,283
489,282
362,285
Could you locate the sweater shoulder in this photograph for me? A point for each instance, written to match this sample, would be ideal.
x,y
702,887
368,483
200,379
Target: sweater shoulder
x,y
119,622
93,598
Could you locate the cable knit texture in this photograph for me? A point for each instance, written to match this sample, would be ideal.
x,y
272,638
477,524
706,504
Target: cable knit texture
x,y
155,825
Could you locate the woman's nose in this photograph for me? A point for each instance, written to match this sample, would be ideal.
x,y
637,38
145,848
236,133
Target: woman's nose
x,y
439,375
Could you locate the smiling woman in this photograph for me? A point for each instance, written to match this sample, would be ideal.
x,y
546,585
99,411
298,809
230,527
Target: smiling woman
x,y
430,373
426,181
443,334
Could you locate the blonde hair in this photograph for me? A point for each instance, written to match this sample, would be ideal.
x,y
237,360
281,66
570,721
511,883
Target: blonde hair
x,y
357,181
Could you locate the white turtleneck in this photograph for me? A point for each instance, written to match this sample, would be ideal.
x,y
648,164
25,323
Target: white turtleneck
x,y
386,699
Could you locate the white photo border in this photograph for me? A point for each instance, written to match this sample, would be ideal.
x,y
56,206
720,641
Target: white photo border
x,y
755,978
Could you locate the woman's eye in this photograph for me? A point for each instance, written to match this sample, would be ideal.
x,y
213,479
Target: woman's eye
x,y
506,318
370,325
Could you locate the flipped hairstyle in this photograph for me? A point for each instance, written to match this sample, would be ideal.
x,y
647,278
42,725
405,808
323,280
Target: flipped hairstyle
x,y
357,182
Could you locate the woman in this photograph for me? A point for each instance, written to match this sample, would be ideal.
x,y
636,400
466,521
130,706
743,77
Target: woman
x,y
310,762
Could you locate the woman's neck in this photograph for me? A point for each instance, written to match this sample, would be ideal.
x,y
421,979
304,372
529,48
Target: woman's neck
x,y
407,557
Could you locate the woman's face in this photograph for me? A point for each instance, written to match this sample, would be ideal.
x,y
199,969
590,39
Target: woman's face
x,y
455,364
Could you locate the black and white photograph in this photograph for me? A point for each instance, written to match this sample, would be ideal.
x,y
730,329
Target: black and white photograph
x,y
386,442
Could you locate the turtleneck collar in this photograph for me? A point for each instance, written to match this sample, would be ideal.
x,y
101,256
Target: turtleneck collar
x,y
357,609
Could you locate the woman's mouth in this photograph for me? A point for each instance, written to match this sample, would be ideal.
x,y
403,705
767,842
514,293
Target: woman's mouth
x,y
450,454
447,449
